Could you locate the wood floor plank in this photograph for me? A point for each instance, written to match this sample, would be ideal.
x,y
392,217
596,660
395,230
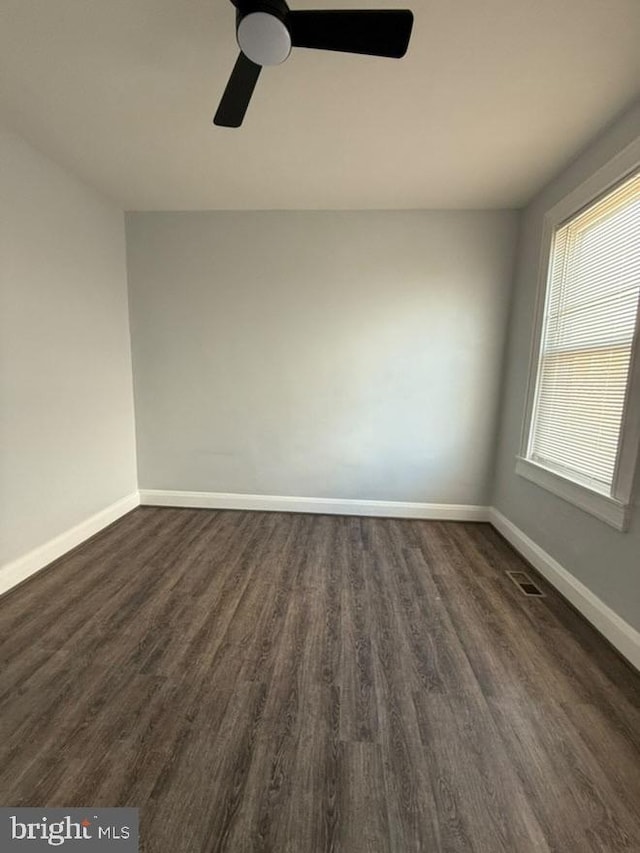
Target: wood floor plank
x,y
364,824
569,791
480,802
358,701
411,805
305,684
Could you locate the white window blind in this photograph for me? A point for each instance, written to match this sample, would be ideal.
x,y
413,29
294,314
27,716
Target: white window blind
x,y
589,326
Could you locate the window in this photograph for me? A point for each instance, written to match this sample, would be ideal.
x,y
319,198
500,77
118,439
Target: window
x,y
583,429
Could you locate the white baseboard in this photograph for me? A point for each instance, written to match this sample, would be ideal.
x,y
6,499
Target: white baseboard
x,y
325,506
620,634
18,570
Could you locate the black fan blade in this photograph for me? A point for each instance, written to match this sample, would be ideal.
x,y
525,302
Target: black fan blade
x,y
237,95
383,32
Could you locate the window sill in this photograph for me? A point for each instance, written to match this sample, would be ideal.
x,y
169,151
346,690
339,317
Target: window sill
x,y
607,509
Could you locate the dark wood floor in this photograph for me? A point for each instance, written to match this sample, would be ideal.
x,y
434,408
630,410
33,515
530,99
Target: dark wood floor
x,y
302,683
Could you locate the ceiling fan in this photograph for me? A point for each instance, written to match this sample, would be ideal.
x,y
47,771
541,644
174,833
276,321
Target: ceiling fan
x,y
266,30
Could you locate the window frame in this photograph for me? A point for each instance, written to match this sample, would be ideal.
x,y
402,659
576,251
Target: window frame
x,y
614,509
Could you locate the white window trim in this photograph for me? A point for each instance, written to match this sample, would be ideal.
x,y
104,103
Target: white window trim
x,y
613,510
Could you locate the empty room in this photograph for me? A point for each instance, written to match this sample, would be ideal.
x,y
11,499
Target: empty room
x,y
320,426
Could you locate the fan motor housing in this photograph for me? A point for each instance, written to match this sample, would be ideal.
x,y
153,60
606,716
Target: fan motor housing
x,y
262,32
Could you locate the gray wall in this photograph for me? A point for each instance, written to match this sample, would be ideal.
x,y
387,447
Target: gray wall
x,y
323,354
67,445
607,561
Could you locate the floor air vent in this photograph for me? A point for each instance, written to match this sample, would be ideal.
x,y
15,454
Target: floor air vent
x,y
525,584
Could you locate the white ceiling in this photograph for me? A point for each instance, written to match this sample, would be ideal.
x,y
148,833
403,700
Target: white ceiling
x,y
492,98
